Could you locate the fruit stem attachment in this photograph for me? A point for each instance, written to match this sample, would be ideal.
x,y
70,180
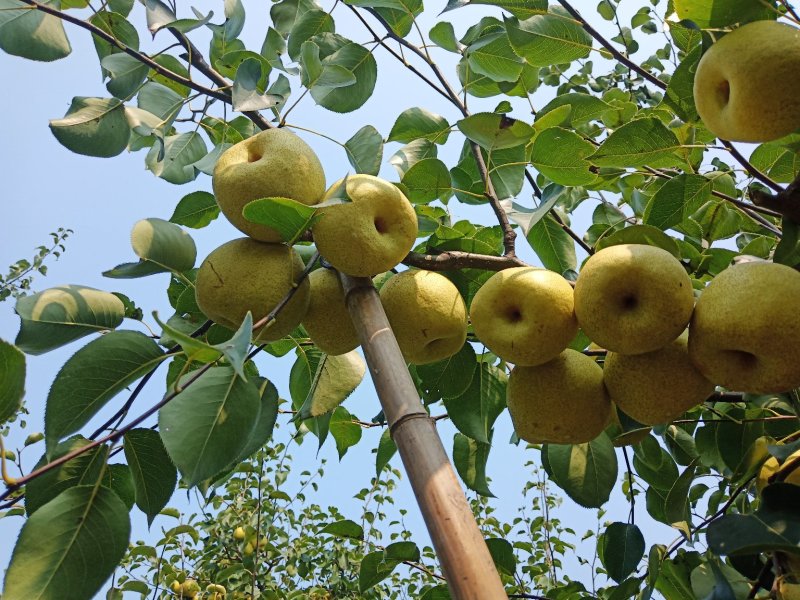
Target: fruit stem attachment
x,y
459,544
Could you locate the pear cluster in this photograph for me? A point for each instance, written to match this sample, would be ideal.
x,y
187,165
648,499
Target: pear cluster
x,y
363,226
636,302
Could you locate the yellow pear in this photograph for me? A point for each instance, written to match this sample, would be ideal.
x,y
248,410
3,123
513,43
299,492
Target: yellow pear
x,y
239,534
746,87
369,233
190,588
771,467
427,314
633,298
327,320
745,328
273,163
245,275
525,315
562,401
656,387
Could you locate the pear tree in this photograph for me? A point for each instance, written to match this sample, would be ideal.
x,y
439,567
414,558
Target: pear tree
x,y
561,231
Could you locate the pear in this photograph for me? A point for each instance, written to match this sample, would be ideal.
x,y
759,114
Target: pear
x,y
245,275
426,313
525,315
370,231
746,87
327,319
656,387
239,534
562,401
771,466
633,298
745,328
273,163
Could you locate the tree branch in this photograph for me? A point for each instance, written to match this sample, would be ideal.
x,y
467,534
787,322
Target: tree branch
x,y
143,58
749,167
786,202
452,260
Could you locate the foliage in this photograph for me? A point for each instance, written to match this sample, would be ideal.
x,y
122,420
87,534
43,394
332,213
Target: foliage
x,y
614,135
17,282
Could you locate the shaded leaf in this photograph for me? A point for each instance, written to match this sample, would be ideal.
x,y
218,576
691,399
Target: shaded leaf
x,y
32,34
365,150
195,210
154,475
469,458
621,548
93,126
288,217
12,380
586,472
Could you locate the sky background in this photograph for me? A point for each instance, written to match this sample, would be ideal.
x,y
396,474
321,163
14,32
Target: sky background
x,y
45,186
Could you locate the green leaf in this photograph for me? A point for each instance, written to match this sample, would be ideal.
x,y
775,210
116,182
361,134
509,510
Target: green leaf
x,y
654,464
345,432
309,23
443,35
503,555
449,378
475,411
676,200
638,143
126,74
774,526
469,458
419,123
175,162
82,522
32,34
552,245
161,246
119,479
340,53
93,126
411,154
154,475
719,13
621,548
208,424
491,55
365,150
245,94
92,376
161,101
84,469
495,132
586,472
676,505
550,39
386,450
583,108
118,27
12,380
336,377
262,432
59,315
427,180
680,90
526,217
288,217
195,210
640,234
375,567
560,155
344,529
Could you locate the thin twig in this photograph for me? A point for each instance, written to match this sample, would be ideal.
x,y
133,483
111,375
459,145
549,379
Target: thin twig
x,y
750,167
453,260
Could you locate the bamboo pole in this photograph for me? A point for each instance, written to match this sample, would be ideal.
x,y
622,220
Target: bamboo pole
x,y
462,551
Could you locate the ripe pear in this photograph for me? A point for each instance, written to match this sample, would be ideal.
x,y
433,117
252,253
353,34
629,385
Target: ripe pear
x,y
273,163
239,534
190,588
633,298
562,401
771,466
525,315
245,275
427,314
369,233
656,387
746,87
745,328
327,320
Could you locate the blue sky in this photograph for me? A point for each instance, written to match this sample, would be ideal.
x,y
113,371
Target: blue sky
x,y
45,187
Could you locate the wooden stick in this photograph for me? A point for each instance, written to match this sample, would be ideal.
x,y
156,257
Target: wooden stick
x,y
462,551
